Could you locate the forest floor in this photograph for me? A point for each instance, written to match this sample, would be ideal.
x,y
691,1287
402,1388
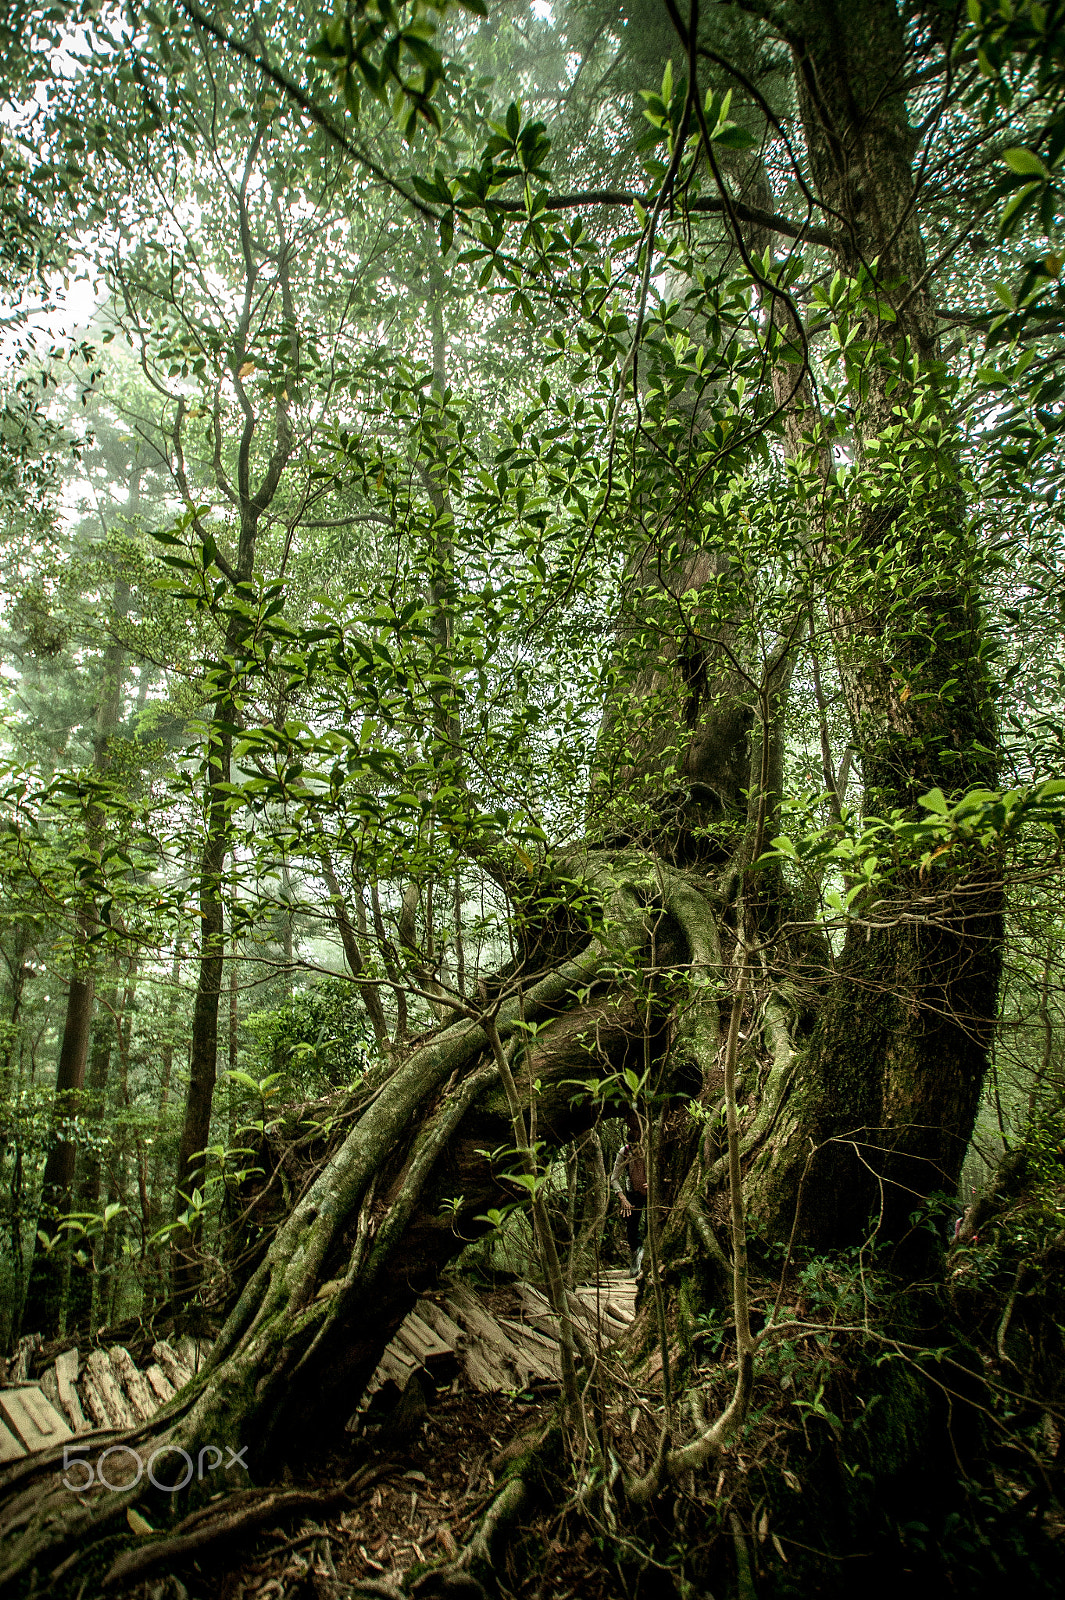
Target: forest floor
x,y
440,1482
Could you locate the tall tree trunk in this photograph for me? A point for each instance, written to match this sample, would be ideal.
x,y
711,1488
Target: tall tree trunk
x,y
199,1097
890,1089
159,1193
44,1299
84,1275
10,1140
49,1274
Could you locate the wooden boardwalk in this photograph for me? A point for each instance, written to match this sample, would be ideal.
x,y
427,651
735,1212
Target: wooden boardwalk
x,y
508,1344
106,1390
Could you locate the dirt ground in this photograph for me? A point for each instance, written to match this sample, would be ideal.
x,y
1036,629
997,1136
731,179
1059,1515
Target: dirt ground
x,y
442,1478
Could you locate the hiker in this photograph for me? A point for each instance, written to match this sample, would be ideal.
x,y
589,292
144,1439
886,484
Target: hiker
x,y
629,1179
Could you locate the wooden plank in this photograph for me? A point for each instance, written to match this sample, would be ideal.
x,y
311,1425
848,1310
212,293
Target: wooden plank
x,y
192,1353
11,1449
543,1318
547,1327
582,1316
536,1311
396,1365
537,1363
159,1383
486,1374
604,1294
421,1339
546,1341
453,1335
49,1387
171,1363
66,1377
611,1322
98,1368
494,1350
141,1399
534,1301
97,1411
19,1368
412,1346
33,1419
546,1347
468,1309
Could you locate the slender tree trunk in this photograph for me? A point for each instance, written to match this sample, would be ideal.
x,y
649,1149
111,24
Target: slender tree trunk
x,y
44,1299
199,1098
10,1141
49,1274
84,1277
159,1196
251,501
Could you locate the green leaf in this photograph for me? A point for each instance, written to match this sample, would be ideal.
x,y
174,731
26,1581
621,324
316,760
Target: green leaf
x,y
733,137
1024,162
935,801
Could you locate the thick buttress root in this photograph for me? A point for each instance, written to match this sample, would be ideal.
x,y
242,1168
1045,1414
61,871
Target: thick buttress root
x,y
327,1297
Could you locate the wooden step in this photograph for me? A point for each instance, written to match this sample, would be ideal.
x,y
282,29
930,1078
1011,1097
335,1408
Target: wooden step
x,y
66,1377
11,1449
100,1373
176,1370
31,1417
142,1401
159,1383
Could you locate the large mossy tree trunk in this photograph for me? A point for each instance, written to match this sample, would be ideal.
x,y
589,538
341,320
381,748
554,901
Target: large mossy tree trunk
x,y
861,1094
891,1082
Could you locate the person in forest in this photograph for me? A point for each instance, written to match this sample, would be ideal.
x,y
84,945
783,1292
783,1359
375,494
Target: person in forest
x,y
629,1179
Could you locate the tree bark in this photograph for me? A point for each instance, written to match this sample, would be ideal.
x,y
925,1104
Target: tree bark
x,y
85,1278
49,1275
45,1296
890,1088
203,1055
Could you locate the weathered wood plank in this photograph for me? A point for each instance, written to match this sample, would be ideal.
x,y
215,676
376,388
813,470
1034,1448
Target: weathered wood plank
x,y
159,1383
99,1417
422,1339
49,1387
397,1365
450,1331
66,1377
19,1368
141,1399
546,1347
541,1359
534,1300
33,1419
11,1449
494,1350
540,1314
98,1368
172,1364
484,1372
611,1322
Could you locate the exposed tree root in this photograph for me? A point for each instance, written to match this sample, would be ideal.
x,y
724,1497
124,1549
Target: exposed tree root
x,y
238,1515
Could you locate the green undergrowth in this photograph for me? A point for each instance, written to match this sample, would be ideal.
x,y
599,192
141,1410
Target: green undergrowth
x,y
887,1444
